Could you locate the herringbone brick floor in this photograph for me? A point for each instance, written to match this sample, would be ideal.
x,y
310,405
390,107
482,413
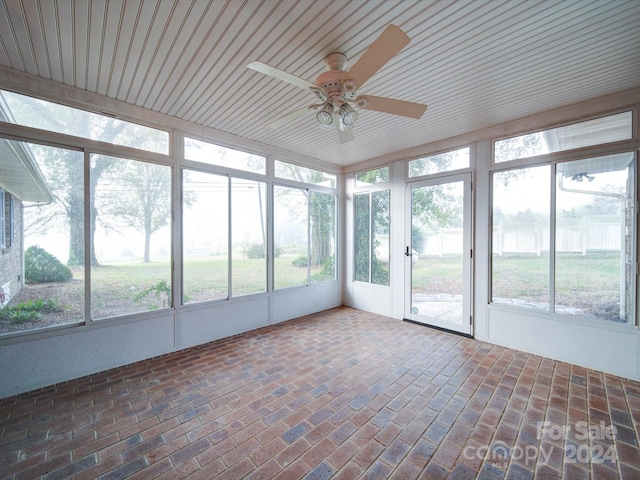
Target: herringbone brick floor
x,y
340,394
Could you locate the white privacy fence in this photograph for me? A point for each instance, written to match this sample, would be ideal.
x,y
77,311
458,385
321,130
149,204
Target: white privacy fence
x,y
579,235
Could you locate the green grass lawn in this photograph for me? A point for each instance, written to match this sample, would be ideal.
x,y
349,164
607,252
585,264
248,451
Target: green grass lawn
x,y
590,283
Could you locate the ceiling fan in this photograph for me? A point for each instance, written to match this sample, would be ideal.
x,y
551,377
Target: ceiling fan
x,y
336,90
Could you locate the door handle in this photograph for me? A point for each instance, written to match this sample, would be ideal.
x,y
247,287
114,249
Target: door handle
x,y
408,252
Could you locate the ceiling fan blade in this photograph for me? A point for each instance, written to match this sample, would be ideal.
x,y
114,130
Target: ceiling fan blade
x,y
278,122
281,75
343,135
383,49
391,105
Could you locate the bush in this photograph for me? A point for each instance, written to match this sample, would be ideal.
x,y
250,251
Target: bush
x,y
328,271
255,250
301,261
161,290
42,267
28,311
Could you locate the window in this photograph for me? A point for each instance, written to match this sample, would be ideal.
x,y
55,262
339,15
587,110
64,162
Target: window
x,y
371,237
248,236
372,177
290,237
594,247
520,241
443,162
11,226
575,255
52,291
113,239
304,236
205,236
130,228
608,129
322,217
223,157
7,220
45,115
290,171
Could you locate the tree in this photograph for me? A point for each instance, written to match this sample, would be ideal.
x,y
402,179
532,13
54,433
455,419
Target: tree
x,y
372,219
362,238
521,147
65,173
139,196
433,207
322,211
431,164
322,214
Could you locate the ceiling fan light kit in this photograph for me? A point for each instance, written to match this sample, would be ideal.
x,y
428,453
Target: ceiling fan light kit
x,y
347,113
325,115
336,89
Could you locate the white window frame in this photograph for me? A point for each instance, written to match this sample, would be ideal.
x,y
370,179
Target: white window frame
x,y
553,159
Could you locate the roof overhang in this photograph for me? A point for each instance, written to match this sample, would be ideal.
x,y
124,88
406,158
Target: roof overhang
x,y
19,171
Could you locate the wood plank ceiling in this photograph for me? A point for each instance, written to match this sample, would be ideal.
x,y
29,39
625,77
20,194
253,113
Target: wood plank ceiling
x,y
475,63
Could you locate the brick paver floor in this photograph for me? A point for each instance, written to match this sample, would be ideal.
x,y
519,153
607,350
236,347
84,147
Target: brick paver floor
x,y
340,394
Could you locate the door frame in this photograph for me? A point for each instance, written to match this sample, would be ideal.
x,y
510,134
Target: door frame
x,y
467,305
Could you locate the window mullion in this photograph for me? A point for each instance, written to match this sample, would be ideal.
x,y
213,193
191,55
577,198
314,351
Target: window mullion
x,y
229,238
309,193
552,239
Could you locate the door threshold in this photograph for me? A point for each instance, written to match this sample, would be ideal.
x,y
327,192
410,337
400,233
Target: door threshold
x,y
442,329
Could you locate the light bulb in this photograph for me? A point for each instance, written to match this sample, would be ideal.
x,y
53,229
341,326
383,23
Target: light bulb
x,y
347,114
325,115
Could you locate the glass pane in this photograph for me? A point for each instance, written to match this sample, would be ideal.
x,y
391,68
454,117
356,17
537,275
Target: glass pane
x,y
51,292
438,257
362,237
594,240
442,162
322,212
591,132
290,212
371,177
131,220
248,236
224,157
520,237
36,113
205,236
380,217
303,174
6,227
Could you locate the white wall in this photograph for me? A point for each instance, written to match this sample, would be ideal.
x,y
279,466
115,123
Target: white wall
x,y
42,359
78,351
589,343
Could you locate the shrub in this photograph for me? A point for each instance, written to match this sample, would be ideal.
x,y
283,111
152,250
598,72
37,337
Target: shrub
x,y
42,267
255,250
21,316
301,261
327,272
28,311
161,290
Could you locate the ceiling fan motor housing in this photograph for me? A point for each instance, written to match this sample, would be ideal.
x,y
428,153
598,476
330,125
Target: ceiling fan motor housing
x,y
336,83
